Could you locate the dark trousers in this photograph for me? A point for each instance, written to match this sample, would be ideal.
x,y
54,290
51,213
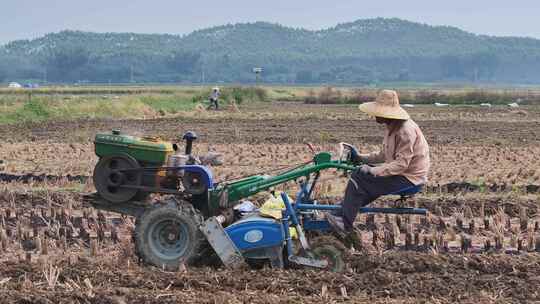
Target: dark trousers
x,y
213,103
363,189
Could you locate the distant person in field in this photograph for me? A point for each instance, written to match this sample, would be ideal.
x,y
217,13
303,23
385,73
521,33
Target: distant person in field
x,y
214,98
404,161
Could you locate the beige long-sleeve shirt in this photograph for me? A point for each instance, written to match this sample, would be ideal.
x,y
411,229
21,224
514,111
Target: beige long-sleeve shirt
x,y
405,152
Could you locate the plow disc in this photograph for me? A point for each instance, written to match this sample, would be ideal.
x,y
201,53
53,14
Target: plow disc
x,y
330,254
328,248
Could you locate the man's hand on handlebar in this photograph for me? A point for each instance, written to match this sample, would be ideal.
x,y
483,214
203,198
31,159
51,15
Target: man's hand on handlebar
x,y
354,157
349,153
365,169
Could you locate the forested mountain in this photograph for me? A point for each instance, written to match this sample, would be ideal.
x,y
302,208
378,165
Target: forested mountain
x,y
361,52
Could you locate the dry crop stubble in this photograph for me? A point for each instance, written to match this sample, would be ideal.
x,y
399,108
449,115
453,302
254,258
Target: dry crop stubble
x,y
500,150
483,166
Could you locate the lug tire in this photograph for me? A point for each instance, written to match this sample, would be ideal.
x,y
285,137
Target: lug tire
x,y
167,235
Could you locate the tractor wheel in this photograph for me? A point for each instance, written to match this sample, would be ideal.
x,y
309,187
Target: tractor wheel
x,y
168,235
330,249
108,178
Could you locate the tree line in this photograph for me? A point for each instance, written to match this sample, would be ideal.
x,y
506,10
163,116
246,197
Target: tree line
x,y
362,52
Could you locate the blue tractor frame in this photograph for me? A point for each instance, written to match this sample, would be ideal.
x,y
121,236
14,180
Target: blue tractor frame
x,y
264,238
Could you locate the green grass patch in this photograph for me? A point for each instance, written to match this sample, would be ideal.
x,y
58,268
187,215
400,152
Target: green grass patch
x,y
68,103
168,104
33,110
39,109
15,109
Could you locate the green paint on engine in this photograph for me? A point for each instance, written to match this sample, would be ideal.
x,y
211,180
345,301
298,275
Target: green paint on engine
x,y
322,157
143,149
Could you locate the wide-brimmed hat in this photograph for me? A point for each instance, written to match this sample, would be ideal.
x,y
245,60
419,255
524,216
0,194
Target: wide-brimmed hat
x,y
386,105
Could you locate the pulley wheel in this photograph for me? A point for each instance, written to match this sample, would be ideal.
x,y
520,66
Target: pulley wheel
x,y
193,183
109,178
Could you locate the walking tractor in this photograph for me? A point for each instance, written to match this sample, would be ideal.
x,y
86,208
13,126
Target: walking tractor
x,y
194,213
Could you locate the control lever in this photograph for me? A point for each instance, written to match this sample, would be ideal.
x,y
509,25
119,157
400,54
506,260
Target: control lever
x,y
351,154
189,137
310,146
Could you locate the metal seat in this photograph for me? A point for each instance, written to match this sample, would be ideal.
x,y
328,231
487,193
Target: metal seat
x,y
406,193
409,191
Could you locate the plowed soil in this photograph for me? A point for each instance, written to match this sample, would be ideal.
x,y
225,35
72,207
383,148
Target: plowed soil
x,y
393,277
296,123
89,255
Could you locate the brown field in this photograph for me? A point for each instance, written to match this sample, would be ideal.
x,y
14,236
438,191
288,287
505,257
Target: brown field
x,y
476,246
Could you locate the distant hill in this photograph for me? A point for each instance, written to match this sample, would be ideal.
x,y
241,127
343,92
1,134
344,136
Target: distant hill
x,y
365,51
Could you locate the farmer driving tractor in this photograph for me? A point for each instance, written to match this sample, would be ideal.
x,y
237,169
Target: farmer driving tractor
x,y
404,159
168,233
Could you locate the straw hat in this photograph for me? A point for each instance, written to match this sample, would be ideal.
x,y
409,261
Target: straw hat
x,y
386,105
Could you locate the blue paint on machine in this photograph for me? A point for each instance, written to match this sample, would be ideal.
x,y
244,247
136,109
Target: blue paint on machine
x,y
256,232
204,172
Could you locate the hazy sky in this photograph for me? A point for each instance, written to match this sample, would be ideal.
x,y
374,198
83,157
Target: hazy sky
x,y
21,19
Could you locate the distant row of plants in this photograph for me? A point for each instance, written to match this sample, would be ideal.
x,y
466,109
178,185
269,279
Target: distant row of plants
x,y
330,95
471,97
237,94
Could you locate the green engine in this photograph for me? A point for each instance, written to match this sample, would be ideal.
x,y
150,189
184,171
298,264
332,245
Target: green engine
x,y
150,150
118,176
